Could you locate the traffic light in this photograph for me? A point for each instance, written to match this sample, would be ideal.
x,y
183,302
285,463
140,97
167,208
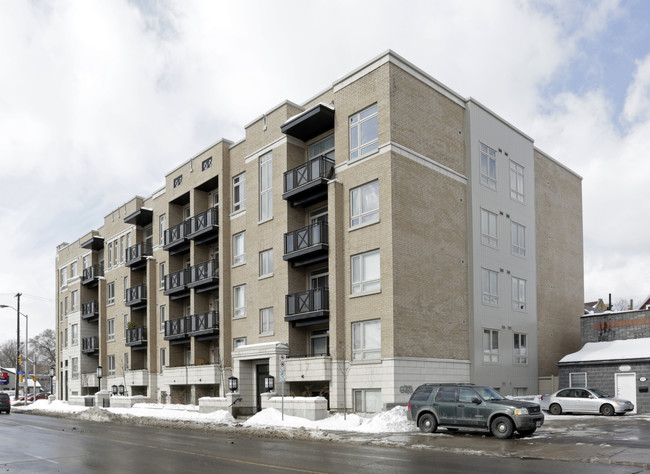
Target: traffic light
x,y
20,359
34,378
20,378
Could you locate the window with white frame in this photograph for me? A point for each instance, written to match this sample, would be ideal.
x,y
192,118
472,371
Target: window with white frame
x,y
578,379
319,342
75,334
238,342
239,248
266,263
74,300
110,293
324,147
488,167
161,274
489,235
239,192
66,337
366,273
518,238
86,261
366,340
518,294
162,226
367,400
75,367
126,324
126,361
519,391
266,321
111,364
163,317
73,269
516,181
489,286
110,254
520,349
66,305
63,277
364,204
239,301
115,255
148,235
110,329
490,345
163,358
122,249
266,186
364,132
126,286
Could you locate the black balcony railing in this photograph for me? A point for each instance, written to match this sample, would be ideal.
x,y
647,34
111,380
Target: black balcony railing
x,y
204,276
307,183
204,227
204,322
138,253
177,328
136,336
90,344
176,237
308,307
176,282
136,296
89,310
91,274
306,245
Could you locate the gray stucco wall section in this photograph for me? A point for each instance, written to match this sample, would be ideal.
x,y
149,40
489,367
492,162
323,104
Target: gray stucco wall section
x,y
613,326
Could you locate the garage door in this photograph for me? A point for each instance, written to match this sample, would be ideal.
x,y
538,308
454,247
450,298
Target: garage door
x,y
626,387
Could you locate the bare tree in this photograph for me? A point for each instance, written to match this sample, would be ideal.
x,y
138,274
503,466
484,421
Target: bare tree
x,y
621,304
45,346
8,354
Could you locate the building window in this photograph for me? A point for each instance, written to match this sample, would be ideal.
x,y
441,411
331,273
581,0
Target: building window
x,y
86,262
239,301
126,361
364,133
364,204
239,248
578,379
111,365
489,234
148,235
110,329
75,367
163,317
266,186
63,277
266,263
110,253
239,193
516,182
126,286
206,164
518,294
161,274
126,324
520,349
519,391
490,286
366,273
73,269
324,147
366,340
110,293
320,342
178,180
75,334
266,321
162,226
367,400
74,301
163,358
490,345
66,337
488,167
238,342
122,249
115,256
518,238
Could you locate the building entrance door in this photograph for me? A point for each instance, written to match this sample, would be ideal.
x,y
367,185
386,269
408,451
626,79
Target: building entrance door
x,y
626,387
262,370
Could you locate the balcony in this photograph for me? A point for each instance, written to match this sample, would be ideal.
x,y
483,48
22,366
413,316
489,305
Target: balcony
x,y
136,338
176,238
310,123
307,245
136,297
136,256
90,276
308,307
185,374
204,276
307,183
90,345
176,284
90,311
318,368
177,330
204,325
204,227
142,217
137,377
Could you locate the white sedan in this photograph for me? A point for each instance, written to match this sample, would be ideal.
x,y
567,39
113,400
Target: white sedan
x,y
585,400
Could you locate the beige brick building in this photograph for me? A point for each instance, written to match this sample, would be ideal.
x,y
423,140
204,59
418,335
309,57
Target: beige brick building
x,y
385,233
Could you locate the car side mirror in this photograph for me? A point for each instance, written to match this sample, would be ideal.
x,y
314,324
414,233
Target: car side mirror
x,y
476,401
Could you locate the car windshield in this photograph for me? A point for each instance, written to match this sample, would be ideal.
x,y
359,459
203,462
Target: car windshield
x,y
488,393
599,393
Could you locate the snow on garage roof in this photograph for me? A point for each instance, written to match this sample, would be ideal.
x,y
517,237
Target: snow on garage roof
x,y
611,350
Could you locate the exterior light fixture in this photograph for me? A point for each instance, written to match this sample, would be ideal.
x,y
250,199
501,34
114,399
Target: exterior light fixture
x,y
120,389
114,389
100,373
233,383
269,383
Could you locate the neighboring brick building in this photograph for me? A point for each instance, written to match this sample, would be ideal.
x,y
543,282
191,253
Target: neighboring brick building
x,y
615,356
436,244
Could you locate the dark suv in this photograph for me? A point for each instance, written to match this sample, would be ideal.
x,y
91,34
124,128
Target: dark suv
x,y
461,405
5,403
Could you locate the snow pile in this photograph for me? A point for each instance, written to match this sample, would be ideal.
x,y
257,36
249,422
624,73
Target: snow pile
x,y
611,350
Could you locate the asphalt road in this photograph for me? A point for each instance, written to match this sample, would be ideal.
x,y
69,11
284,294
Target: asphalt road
x,y
31,443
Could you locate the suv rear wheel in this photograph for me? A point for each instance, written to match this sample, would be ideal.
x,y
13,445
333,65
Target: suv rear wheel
x,y
502,427
428,423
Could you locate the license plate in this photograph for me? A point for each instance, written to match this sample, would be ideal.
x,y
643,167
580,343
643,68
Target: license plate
x,y
538,423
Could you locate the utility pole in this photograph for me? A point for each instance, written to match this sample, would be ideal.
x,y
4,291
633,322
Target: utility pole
x,y
18,295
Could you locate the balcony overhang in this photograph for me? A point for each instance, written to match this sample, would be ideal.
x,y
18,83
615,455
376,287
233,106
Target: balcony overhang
x,y
179,246
94,243
310,123
307,256
205,235
141,217
308,319
308,194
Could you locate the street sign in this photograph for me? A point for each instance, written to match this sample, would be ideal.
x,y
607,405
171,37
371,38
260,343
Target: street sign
x,y
20,372
283,367
4,378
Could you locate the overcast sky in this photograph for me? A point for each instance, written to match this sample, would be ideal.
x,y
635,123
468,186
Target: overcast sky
x,y
100,99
